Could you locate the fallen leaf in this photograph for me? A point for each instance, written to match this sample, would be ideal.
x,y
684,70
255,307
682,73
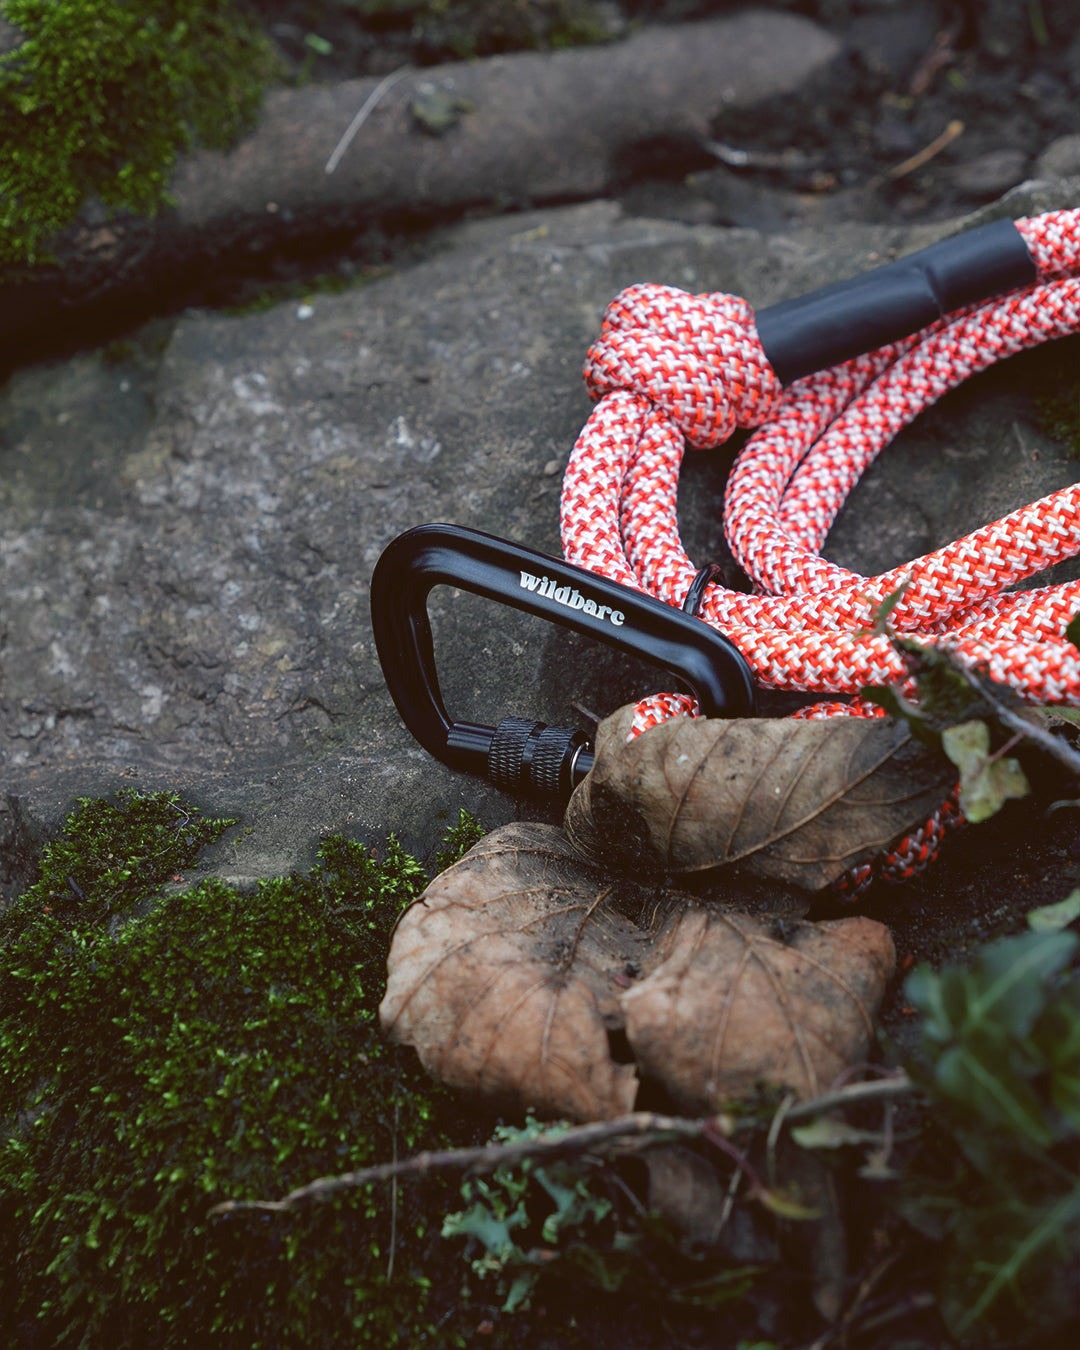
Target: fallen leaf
x,y
504,977
820,1246
527,975
796,801
689,1194
738,1001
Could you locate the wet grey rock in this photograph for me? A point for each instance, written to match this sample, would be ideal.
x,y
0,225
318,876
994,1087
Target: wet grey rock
x,y
188,523
991,174
894,38
1060,159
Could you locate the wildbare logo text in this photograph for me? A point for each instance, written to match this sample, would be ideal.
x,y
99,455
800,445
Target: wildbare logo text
x,y
571,598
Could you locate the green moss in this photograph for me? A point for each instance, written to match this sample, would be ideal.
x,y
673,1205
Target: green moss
x,y
267,295
1059,417
102,95
162,1052
1052,385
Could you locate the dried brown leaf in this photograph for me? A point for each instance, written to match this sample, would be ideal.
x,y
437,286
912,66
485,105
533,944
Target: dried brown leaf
x,y
795,801
523,968
505,977
736,1001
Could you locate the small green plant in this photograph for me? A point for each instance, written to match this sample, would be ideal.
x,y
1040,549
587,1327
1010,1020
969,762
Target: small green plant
x,y
161,1051
570,1219
102,95
458,840
499,1216
1000,1059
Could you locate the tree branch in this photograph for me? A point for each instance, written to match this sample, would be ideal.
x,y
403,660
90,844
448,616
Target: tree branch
x,y
568,1142
485,1158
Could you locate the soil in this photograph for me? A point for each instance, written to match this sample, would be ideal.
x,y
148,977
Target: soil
x,y
991,83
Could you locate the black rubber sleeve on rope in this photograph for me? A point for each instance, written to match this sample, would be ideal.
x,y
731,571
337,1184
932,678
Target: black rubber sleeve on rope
x,y
822,329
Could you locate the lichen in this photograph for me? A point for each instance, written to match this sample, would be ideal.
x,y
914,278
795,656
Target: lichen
x,y
101,96
163,1050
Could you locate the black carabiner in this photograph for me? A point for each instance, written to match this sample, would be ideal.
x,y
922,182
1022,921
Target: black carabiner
x,y
520,755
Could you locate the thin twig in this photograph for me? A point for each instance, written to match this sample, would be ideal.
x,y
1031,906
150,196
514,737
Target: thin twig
x,y
897,1086
874,1316
575,1139
840,1330
735,158
776,1125
1045,740
387,82
927,153
921,1301
729,1199
741,1161
941,54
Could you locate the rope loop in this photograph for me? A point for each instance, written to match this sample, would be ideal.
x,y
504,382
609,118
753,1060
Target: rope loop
x,y
697,358
671,369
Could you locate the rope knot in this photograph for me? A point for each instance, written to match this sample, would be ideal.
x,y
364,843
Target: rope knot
x,y
696,357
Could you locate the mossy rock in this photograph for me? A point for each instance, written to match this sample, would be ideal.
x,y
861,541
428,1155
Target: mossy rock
x,y
98,97
164,1048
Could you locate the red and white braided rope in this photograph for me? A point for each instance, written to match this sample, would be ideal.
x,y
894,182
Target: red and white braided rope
x,y
672,369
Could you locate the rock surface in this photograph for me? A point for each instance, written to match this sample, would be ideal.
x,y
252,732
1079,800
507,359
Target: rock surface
x,y
188,523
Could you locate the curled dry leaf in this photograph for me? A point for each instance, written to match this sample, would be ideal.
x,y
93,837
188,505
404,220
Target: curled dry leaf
x,y
796,801
736,1000
528,975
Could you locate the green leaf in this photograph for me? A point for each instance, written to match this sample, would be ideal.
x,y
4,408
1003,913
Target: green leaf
x,y
480,1222
894,703
1010,1269
785,1208
987,1086
1053,918
1072,630
521,1291
1011,976
885,609
986,783
1056,1038
832,1132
